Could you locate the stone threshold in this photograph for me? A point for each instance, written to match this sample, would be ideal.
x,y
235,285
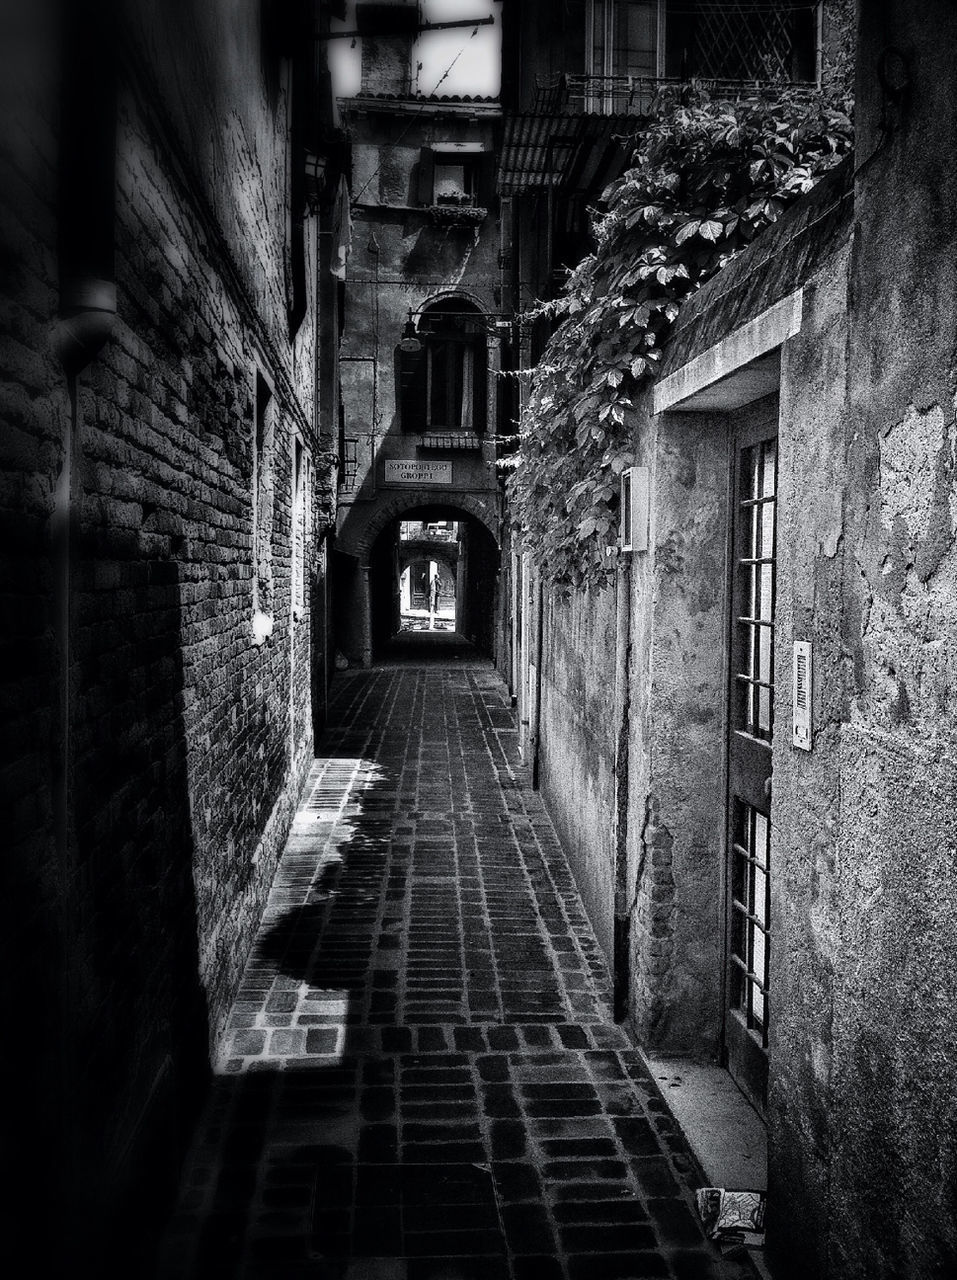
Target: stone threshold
x,y
726,1135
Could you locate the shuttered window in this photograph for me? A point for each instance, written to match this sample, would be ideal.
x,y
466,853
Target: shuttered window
x,y
442,386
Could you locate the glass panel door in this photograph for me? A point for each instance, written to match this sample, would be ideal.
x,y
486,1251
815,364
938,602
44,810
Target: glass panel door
x,y
751,725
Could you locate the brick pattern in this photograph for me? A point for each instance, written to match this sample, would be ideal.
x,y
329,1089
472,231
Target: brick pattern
x,y
35,411
166,474
185,761
653,924
421,1076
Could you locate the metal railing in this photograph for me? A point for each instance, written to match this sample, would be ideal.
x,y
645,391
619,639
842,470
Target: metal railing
x,y
636,95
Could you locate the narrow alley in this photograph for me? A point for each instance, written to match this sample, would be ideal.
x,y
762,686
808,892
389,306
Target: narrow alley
x,y
421,1076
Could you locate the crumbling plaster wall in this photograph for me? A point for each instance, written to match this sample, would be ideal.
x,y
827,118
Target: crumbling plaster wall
x,y
579,718
632,742
676,794
863,1175
894,1153
806,795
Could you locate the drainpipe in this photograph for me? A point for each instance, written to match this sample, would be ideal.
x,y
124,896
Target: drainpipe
x,y
87,184
365,615
622,930
539,646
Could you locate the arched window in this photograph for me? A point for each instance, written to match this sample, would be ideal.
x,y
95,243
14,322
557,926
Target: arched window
x,y
442,383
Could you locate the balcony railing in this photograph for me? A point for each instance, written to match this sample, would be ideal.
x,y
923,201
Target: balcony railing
x,y
635,95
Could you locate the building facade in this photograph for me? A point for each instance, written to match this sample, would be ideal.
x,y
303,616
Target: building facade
x,y
167,492
747,743
421,348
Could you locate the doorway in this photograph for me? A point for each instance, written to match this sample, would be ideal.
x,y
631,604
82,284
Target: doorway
x,y
750,731
428,562
432,577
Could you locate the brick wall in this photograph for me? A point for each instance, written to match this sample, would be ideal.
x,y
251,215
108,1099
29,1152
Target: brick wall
x,y
188,733
34,414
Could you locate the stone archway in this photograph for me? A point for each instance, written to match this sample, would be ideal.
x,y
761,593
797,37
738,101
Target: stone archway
x,y
363,625
358,536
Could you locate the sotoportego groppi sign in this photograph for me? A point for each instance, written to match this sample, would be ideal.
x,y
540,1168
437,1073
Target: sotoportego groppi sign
x,y
400,471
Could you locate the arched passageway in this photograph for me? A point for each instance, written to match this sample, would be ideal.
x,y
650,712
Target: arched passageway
x,y
433,568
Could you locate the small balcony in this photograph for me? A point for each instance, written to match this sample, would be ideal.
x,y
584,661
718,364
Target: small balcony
x,y
636,95
450,211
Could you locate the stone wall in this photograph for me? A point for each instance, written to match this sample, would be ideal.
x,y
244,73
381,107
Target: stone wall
x,y
677,739
579,712
632,743
806,797
869,1158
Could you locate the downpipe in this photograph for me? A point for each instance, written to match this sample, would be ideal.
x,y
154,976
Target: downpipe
x,y
622,923
539,648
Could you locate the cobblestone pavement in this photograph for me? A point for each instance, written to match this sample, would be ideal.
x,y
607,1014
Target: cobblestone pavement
x,y
421,1079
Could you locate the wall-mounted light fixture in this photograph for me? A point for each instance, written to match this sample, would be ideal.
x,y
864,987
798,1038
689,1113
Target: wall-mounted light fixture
x,y
635,501
410,339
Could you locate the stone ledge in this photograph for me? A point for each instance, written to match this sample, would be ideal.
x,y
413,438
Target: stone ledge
x,y
724,1131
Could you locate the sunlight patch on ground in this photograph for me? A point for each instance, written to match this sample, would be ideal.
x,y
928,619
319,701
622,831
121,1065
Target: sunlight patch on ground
x,y
281,1020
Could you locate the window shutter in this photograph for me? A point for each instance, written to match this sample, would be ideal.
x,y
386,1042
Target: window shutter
x,y
485,175
412,389
479,385
426,183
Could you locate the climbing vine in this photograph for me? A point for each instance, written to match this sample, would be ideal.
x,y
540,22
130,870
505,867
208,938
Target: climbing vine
x,y
706,176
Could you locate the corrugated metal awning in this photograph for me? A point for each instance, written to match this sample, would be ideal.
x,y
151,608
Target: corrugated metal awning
x,y
565,152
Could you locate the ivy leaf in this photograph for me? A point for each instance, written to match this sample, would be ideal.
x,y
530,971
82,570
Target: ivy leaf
x,y
686,232
702,171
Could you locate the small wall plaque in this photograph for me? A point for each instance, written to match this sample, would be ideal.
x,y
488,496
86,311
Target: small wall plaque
x,y
801,695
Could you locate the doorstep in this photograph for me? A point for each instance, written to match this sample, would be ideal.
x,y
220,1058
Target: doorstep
x,y
725,1133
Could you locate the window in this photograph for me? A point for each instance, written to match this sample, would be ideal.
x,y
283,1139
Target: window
x,y
263,505
455,175
750,919
625,38
301,484
732,41
755,675
450,376
704,39
454,181
349,462
442,385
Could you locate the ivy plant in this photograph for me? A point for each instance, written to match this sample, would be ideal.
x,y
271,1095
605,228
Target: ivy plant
x,y
706,176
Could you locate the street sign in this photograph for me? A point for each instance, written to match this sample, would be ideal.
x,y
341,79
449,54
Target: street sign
x,y
409,471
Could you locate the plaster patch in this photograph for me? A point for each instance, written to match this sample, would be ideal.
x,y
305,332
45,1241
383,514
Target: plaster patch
x,y
831,511
910,462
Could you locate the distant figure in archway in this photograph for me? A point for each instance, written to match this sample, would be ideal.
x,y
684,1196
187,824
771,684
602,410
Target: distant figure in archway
x,y
433,596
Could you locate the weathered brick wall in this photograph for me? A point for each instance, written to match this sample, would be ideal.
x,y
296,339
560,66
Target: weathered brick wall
x,y
33,415
187,740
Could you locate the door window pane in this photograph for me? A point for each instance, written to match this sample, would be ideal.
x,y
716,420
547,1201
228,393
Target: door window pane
x,y
756,586
750,926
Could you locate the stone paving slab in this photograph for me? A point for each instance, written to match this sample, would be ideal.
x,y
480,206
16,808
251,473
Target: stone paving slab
x,y
421,1078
